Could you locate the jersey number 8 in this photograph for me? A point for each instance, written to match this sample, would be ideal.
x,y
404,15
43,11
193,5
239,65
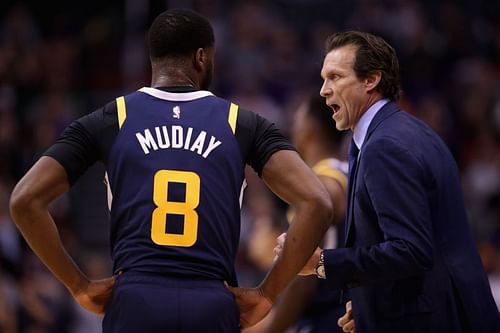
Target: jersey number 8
x,y
159,218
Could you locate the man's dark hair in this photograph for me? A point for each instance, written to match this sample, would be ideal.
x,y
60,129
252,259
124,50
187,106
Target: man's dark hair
x,y
179,32
321,114
373,54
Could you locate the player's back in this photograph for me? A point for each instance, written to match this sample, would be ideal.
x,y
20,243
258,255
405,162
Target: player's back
x,y
175,174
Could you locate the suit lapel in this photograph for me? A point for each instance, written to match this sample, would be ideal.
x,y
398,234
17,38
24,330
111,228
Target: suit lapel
x,y
386,111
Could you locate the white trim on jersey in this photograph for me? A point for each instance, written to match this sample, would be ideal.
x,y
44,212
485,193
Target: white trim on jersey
x,y
243,187
177,97
108,191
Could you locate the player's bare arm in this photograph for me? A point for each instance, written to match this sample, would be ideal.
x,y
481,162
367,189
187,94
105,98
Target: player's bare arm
x,y
293,181
294,299
29,203
291,304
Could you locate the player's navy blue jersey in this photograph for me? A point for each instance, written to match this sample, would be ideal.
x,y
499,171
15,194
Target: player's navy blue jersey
x,y
176,175
175,168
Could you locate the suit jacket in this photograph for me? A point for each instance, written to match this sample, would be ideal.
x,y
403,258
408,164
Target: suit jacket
x,y
410,261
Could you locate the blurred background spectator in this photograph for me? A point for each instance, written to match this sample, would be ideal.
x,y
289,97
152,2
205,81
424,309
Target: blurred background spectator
x,y
61,60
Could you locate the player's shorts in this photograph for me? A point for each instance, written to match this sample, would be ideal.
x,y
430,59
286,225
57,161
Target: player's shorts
x,y
153,303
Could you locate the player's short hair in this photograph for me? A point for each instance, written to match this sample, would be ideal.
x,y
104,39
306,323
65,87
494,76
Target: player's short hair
x,y
373,53
321,114
178,32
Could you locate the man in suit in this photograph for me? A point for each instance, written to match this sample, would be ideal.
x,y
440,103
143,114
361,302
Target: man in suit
x,y
410,262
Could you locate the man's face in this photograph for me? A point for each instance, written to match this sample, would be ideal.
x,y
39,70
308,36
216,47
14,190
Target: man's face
x,y
345,94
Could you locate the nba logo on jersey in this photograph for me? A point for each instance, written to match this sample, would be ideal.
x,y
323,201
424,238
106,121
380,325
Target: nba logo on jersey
x,y
177,112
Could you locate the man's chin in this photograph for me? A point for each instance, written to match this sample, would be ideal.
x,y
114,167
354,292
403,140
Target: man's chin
x,y
340,126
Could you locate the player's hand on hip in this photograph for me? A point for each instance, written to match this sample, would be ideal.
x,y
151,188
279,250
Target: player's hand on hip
x,y
95,294
252,303
347,321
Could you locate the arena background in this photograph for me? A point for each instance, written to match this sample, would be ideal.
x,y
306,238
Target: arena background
x,y
60,60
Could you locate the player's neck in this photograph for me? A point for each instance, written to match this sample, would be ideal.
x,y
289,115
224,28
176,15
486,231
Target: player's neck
x,y
167,80
173,75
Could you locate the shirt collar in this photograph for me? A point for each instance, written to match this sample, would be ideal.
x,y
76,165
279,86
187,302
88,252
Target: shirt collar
x,y
178,89
184,96
361,128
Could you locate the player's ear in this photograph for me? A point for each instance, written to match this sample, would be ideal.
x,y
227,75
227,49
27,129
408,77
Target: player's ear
x,y
200,59
372,80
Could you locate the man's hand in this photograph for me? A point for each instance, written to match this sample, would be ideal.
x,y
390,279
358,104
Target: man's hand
x,y
310,266
95,294
347,321
253,304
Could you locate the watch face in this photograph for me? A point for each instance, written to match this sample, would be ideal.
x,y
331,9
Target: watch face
x,y
320,271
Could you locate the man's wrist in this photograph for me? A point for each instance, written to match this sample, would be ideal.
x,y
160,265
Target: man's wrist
x,y
267,291
320,267
76,287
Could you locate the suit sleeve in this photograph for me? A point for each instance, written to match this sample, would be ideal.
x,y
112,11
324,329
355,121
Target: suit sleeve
x,y
396,185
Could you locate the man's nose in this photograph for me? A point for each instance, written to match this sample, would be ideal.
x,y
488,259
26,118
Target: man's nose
x,y
325,90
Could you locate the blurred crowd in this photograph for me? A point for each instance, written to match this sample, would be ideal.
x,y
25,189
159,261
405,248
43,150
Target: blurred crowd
x,y
57,65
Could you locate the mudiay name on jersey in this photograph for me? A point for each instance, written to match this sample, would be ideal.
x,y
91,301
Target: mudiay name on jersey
x,y
177,137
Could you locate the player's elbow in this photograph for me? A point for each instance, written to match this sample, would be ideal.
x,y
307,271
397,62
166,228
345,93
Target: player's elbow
x,y
321,204
22,201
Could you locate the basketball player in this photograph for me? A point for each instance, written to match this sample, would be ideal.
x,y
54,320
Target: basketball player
x,y
175,157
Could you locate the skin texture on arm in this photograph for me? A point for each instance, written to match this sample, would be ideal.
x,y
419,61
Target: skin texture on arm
x,y
29,203
295,298
291,304
292,180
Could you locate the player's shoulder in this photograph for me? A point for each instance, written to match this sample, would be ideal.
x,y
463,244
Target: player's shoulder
x,y
109,108
99,119
245,117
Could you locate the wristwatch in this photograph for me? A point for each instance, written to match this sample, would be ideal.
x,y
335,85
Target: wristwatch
x,y
320,268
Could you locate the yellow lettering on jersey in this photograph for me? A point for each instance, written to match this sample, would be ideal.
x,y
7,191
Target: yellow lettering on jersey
x,y
122,111
233,115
